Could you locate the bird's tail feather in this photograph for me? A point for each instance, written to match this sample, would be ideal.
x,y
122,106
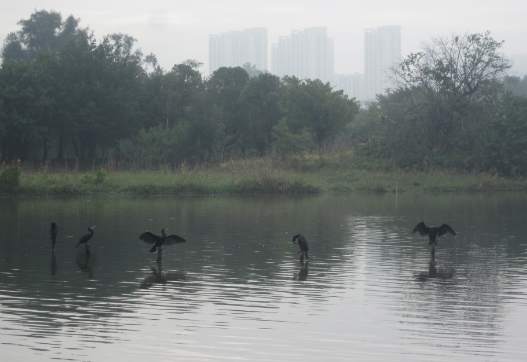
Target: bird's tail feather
x,y
154,248
78,244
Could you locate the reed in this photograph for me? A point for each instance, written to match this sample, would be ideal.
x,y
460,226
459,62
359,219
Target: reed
x,y
306,174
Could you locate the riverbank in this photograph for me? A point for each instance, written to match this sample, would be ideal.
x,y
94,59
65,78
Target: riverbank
x,y
309,174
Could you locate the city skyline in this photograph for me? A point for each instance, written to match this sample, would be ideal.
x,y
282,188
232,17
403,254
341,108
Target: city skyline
x,y
309,54
175,31
306,53
238,47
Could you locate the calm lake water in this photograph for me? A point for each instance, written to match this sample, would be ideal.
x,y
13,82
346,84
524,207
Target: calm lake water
x,y
237,290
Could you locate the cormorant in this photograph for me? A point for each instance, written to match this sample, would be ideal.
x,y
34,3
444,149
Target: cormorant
x,y
53,234
86,237
302,242
433,232
159,241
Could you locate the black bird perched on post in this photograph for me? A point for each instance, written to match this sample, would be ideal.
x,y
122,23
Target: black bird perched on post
x,y
433,232
53,231
302,242
86,237
159,241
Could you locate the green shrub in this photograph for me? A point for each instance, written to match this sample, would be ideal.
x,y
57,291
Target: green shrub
x,y
101,175
10,179
87,177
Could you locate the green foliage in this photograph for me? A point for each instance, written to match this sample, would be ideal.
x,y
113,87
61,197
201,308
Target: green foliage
x,y
86,177
506,138
287,143
101,175
261,98
43,29
313,104
516,85
10,178
440,91
226,86
64,95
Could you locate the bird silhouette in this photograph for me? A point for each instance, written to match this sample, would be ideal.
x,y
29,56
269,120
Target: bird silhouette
x,y
86,237
433,232
302,242
159,241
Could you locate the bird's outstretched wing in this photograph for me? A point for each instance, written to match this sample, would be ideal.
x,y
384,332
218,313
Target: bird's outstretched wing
x,y
174,239
444,229
150,238
422,228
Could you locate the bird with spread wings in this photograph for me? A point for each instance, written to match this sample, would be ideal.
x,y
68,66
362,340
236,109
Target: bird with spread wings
x,y
159,241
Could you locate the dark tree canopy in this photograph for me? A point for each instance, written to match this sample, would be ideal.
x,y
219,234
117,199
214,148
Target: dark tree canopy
x,y
43,29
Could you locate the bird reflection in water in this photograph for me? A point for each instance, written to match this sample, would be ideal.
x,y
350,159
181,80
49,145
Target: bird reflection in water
x,y
302,273
434,273
53,266
85,267
158,277
53,231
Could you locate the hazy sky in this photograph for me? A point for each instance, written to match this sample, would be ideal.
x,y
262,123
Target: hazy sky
x,y
177,30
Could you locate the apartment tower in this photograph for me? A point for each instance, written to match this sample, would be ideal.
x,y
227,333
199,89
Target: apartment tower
x,y
382,49
306,53
235,48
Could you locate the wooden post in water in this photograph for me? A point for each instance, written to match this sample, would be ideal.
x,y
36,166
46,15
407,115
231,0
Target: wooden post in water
x,y
87,249
433,250
159,255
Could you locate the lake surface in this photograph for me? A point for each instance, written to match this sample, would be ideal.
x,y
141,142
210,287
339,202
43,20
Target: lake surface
x,y
237,290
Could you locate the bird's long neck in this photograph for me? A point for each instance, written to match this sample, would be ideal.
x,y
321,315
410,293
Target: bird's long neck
x,y
90,230
163,233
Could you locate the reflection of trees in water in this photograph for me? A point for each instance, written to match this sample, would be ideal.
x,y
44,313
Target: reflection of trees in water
x,y
457,293
240,257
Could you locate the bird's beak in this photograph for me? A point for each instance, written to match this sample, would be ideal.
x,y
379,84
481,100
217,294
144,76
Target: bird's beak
x,y
92,227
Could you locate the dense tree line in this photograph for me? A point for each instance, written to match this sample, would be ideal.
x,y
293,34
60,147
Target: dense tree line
x,y
63,95
451,107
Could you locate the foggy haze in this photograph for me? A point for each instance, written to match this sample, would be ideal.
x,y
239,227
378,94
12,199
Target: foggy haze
x,y
178,30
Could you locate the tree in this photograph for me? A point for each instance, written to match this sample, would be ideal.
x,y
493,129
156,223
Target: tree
x,y
97,94
251,70
42,29
516,85
25,94
313,104
261,99
287,143
505,143
440,88
226,86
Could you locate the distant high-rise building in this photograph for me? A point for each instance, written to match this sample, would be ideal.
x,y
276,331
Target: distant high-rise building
x,y
235,48
519,65
352,85
306,53
382,49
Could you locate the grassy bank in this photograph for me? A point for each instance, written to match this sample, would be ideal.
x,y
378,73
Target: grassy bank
x,y
307,174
